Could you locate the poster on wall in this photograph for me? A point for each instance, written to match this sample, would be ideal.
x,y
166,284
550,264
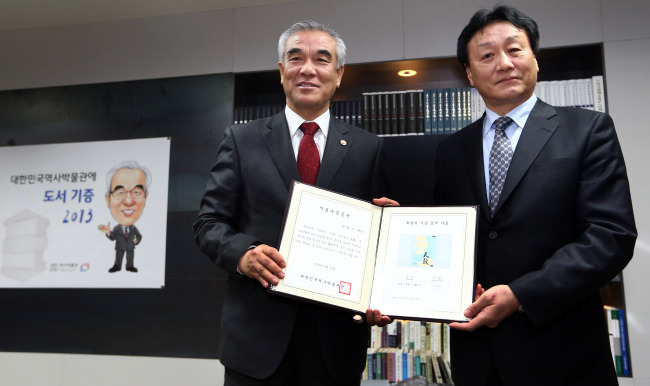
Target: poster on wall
x,y
84,215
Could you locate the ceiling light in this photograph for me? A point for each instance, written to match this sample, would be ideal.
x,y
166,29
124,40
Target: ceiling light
x,y
407,73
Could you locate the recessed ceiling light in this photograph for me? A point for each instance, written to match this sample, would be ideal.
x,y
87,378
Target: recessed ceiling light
x,y
407,73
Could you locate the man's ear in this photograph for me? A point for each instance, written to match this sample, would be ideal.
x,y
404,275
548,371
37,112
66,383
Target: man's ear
x,y
339,75
468,71
281,68
108,200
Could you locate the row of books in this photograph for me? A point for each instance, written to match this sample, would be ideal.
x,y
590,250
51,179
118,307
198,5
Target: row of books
x,y
437,111
618,340
411,335
588,93
243,114
396,365
417,112
407,348
350,111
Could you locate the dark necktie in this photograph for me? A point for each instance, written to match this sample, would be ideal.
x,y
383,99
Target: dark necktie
x,y
308,157
500,156
126,231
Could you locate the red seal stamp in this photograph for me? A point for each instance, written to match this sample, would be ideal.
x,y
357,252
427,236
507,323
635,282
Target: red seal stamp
x,y
345,288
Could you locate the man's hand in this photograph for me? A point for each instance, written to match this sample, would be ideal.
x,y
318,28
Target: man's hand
x,y
264,264
384,201
489,308
374,317
105,228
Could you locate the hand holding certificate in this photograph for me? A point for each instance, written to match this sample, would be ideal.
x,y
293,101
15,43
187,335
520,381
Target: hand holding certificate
x,y
408,262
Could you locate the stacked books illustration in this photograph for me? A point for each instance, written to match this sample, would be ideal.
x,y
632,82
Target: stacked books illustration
x,y
23,245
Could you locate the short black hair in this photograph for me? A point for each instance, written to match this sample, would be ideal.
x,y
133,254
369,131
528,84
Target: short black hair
x,y
499,13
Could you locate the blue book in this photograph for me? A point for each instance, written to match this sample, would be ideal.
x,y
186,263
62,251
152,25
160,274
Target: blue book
x,y
453,110
446,111
434,111
624,351
427,112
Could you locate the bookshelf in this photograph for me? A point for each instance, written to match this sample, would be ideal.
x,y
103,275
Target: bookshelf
x,y
414,185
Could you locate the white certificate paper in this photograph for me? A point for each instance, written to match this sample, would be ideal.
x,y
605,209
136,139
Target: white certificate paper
x,y
408,262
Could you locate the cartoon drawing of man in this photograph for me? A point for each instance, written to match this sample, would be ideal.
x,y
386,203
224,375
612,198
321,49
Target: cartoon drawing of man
x,y
127,186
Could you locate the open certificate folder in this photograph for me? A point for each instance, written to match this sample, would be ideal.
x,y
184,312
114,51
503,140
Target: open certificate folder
x,y
408,262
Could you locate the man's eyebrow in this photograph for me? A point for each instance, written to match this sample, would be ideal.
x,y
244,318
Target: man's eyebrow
x,y
123,187
298,50
293,51
509,39
325,52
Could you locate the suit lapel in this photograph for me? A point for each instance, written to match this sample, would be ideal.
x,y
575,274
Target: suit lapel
x,y
278,142
538,130
335,152
473,142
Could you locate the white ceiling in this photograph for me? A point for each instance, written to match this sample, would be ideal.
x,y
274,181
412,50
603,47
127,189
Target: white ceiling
x,y
21,14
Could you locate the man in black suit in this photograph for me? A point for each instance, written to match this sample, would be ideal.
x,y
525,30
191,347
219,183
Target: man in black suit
x,y
265,338
561,228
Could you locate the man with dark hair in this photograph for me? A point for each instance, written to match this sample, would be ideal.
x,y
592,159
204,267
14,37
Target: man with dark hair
x,y
556,218
269,339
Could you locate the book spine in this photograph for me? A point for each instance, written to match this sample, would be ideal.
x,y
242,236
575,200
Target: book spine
x,y
427,112
379,105
419,118
386,118
434,111
589,94
411,107
614,330
394,114
366,111
401,96
598,89
453,110
625,356
390,366
468,106
446,112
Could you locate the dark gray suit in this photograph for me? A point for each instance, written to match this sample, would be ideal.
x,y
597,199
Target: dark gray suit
x,y
244,204
124,243
563,228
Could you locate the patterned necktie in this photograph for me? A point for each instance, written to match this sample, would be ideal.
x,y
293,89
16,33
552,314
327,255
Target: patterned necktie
x,y
308,157
500,156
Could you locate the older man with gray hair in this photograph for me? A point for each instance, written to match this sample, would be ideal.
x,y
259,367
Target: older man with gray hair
x,y
268,339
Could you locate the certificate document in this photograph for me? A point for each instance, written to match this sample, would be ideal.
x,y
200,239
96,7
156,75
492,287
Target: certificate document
x,y
408,262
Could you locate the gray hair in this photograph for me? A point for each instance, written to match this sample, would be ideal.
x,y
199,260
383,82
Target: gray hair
x,y
310,25
128,165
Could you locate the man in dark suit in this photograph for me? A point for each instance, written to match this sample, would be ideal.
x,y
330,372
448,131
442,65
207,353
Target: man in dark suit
x,y
265,338
561,228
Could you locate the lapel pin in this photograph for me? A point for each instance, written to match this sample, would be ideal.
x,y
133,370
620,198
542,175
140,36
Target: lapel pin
x,y
343,142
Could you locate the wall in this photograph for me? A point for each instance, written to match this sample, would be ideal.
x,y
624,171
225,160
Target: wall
x,y
375,30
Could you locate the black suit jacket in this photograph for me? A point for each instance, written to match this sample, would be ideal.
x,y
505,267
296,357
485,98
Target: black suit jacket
x,y
244,204
563,228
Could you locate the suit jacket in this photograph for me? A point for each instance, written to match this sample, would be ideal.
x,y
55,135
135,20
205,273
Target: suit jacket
x,y
123,242
563,228
244,204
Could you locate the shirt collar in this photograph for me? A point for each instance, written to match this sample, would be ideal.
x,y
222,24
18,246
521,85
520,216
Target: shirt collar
x,y
294,121
519,114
